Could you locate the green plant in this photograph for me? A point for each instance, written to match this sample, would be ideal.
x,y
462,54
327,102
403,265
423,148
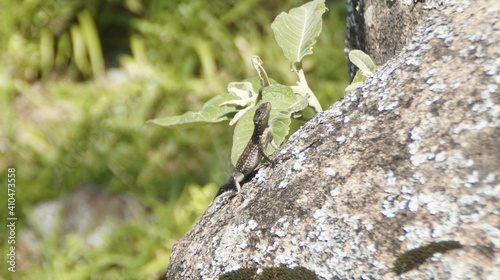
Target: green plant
x,y
366,68
296,33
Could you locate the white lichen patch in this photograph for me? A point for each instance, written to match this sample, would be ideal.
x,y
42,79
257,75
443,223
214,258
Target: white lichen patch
x,y
281,228
252,224
414,61
283,184
415,236
420,177
413,148
427,128
335,192
452,159
433,98
341,139
441,156
327,244
234,237
387,104
298,164
331,171
420,158
390,179
493,232
392,205
464,126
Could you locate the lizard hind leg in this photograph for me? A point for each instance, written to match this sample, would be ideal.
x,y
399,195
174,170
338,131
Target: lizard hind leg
x,y
238,178
230,184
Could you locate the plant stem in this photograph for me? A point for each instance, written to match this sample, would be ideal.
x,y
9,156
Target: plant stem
x,y
311,98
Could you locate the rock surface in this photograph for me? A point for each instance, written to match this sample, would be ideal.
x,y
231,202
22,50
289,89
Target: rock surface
x,y
382,28
410,159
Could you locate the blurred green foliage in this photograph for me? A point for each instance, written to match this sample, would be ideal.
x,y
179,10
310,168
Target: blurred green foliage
x,y
78,81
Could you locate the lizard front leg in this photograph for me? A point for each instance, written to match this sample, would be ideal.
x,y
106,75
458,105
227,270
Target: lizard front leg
x,y
265,139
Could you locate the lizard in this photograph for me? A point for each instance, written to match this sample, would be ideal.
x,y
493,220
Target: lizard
x,y
254,151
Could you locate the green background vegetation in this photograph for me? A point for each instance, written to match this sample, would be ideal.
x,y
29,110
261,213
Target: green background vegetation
x,y
78,81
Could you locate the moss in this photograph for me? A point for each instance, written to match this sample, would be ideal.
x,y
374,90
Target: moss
x,y
283,273
240,274
270,273
416,257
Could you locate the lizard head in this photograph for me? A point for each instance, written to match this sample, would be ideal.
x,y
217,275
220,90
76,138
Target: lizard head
x,y
262,114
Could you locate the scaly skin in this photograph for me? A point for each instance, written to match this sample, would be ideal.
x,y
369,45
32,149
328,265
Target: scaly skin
x,y
253,152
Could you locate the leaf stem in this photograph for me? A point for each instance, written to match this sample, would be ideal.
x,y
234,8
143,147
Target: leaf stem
x,y
311,98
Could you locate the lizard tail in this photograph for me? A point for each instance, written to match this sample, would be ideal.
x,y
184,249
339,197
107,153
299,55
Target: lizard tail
x,y
230,184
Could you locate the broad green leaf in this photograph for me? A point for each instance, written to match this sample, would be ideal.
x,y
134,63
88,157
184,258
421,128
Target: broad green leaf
x,y
245,92
210,113
357,82
255,81
248,98
284,102
363,62
353,86
366,69
296,31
